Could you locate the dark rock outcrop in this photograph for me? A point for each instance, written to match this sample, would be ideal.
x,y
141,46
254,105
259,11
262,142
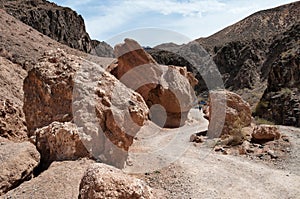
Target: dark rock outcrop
x,y
281,102
240,63
102,49
59,23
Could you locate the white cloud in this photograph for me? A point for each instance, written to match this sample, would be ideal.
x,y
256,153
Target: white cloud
x,y
193,18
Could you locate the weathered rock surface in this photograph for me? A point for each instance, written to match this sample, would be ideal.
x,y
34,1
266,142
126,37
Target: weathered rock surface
x,y
281,102
228,114
265,133
61,180
109,112
58,142
168,87
12,119
240,63
17,162
48,91
104,108
103,181
59,23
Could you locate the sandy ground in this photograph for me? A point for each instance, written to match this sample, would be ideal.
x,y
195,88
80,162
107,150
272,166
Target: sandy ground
x,y
188,171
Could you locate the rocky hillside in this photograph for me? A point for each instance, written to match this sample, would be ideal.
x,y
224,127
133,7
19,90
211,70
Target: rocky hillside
x,y
61,109
264,24
281,102
242,51
59,23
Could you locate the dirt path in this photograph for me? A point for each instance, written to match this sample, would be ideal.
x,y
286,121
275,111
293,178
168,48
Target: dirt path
x,y
201,173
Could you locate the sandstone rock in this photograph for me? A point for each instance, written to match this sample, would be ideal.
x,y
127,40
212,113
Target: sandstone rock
x,y
229,113
12,119
165,86
265,133
103,181
106,111
111,117
48,90
17,162
60,141
189,55
60,180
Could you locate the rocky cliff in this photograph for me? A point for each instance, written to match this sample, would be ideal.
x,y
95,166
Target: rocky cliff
x,y
280,102
59,23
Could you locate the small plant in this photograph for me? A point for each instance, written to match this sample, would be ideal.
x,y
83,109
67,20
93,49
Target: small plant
x,y
259,120
261,107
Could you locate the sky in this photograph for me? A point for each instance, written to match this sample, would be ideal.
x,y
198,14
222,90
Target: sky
x,y
152,22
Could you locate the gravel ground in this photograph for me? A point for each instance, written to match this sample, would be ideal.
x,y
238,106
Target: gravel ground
x,y
202,173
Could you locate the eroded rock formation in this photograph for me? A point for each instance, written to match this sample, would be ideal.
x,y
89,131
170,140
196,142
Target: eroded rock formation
x,y
228,115
60,141
169,87
66,88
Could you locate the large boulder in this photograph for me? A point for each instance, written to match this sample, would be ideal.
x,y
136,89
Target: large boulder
x,y
66,88
60,141
48,90
103,181
60,180
169,87
109,112
17,162
228,114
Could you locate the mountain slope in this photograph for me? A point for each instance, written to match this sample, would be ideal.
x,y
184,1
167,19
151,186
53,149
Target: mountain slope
x,y
262,25
60,23
26,45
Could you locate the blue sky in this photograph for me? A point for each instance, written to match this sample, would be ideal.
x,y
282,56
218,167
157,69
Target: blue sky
x,y
156,21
